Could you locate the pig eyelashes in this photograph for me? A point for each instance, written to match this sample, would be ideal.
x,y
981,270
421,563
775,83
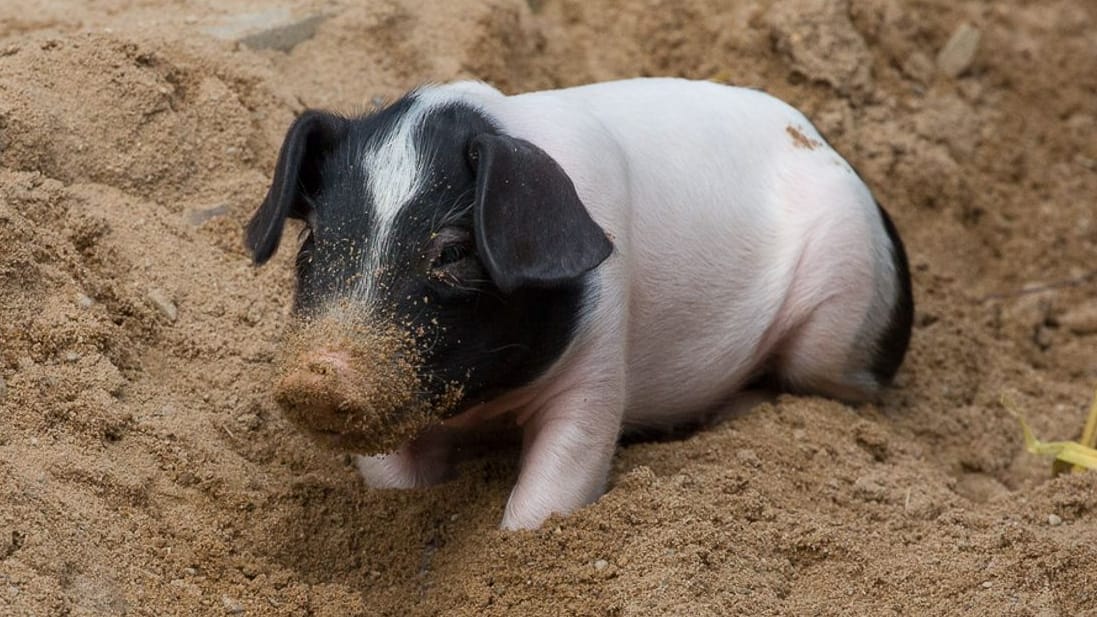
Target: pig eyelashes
x,y
458,210
448,245
451,253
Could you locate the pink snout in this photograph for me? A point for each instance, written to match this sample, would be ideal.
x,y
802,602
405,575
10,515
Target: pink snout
x,y
320,391
366,400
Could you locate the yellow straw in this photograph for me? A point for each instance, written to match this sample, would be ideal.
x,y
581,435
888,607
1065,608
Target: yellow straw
x,y
1081,455
1089,433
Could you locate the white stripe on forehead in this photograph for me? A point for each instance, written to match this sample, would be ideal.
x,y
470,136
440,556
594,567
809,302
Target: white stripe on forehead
x,y
394,172
396,169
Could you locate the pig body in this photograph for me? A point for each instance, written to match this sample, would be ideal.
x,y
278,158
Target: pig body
x,y
710,238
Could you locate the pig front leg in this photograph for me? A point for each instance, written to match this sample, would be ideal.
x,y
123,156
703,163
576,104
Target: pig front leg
x,y
424,461
567,449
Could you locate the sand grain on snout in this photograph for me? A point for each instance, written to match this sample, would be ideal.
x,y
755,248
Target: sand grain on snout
x,y
354,382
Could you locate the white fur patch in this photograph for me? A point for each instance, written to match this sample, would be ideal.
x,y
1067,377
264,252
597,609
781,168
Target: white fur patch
x,y
394,172
396,169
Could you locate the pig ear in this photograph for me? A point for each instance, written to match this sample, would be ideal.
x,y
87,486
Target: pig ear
x,y
296,179
531,229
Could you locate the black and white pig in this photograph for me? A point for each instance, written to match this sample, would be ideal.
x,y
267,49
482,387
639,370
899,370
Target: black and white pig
x,y
617,255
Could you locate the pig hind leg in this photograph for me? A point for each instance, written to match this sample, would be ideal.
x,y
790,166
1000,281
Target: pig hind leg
x,y
818,358
835,355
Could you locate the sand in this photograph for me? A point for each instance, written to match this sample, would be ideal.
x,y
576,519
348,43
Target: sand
x,y
146,469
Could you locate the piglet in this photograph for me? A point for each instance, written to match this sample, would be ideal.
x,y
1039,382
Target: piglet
x,y
623,255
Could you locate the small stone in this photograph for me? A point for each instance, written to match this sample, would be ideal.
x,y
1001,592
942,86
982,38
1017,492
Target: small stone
x,y
748,457
600,564
250,421
163,304
84,301
276,28
959,52
1081,320
195,218
987,584
70,356
190,571
919,67
1054,520
1043,337
870,489
232,605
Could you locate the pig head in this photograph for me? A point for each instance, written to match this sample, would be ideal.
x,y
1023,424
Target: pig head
x,y
420,289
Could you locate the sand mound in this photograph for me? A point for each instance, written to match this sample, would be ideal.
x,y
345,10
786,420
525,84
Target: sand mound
x,y
147,469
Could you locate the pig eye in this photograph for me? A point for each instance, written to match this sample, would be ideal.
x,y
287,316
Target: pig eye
x,y
452,259
451,254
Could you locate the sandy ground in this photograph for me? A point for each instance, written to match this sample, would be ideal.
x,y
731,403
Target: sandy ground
x,y
145,470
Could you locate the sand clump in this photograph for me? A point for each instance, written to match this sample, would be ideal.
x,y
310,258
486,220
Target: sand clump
x,y
356,384
148,469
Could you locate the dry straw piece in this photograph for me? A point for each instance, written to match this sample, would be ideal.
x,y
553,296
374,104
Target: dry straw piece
x,y
1079,455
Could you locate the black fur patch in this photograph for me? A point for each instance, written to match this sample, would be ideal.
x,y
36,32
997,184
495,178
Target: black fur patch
x,y
893,343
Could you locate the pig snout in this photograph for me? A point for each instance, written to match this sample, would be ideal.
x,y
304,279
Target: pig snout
x,y
354,387
325,391
315,390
